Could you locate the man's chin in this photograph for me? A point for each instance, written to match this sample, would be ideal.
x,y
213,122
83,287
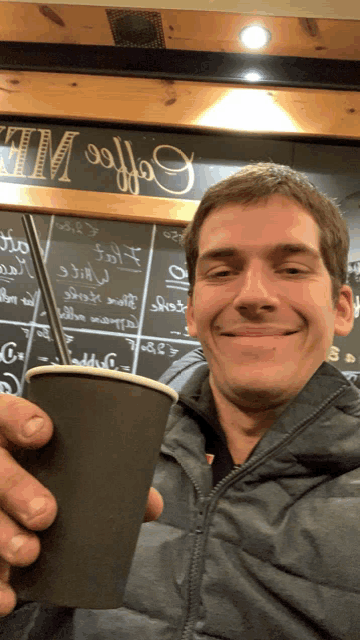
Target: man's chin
x,y
257,394
259,398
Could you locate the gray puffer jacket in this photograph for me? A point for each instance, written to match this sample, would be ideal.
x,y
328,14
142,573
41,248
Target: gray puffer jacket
x,y
272,552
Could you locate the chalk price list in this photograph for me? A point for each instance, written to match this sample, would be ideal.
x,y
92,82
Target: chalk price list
x,y
121,290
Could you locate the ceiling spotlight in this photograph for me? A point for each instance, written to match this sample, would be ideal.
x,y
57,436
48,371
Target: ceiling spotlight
x,y
255,37
252,76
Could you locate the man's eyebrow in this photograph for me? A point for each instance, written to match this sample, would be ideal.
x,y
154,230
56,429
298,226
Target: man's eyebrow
x,y
217,254
281,249
298,247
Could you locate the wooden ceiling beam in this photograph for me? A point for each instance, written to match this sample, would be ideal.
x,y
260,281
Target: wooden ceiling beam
x,y
215,67
196,105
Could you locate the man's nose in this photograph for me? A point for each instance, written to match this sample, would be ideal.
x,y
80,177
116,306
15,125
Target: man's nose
x,y
256,291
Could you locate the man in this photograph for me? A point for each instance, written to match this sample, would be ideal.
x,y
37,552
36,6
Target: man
x,y
259,468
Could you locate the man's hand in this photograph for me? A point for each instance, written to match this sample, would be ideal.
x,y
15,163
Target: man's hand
x,y
26,505
154,507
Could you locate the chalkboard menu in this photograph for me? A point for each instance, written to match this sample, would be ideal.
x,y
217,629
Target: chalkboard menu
x,y
121,290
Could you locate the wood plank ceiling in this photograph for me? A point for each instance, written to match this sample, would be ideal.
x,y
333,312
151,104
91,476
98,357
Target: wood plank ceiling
x,y
185,30
214,101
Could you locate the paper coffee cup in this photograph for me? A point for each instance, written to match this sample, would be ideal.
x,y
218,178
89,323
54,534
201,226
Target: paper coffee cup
x,y
99,464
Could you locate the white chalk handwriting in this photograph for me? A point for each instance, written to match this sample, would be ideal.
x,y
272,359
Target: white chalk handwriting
x,y
44,332
8,273
8,355
114,255
334,355
108,361
160,349
5,298
68,313
127,300
174,235
72,294
78,227
121,324
11,385
162,305
29,299
356,306
9,245
85,274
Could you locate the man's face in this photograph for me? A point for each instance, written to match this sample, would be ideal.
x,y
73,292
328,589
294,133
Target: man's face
x,y
262,306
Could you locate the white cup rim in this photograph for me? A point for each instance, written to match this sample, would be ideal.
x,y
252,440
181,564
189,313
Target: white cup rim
x,y
106,373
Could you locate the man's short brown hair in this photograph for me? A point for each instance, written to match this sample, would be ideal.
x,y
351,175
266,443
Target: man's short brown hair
x,y
258,182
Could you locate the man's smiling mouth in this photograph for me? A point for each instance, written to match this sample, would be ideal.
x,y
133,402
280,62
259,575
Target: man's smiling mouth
x,y
257,334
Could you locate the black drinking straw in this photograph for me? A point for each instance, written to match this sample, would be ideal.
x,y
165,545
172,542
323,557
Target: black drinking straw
x,y
46,289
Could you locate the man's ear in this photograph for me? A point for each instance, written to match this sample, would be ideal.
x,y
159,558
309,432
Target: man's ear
x,y
190,318
344,318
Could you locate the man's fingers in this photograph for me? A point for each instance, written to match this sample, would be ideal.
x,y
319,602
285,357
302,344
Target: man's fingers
x,y
23,423
18,547
155,505
7,599
23,497
7,594
23,500
4,571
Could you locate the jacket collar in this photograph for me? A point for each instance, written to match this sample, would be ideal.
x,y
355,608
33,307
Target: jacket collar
x,y
318,430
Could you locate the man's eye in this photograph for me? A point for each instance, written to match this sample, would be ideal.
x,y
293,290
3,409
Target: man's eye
x,y
294,271
221,273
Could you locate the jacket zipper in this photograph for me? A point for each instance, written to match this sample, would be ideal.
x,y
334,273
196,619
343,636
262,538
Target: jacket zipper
x,y
203,503
197,555
194,572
